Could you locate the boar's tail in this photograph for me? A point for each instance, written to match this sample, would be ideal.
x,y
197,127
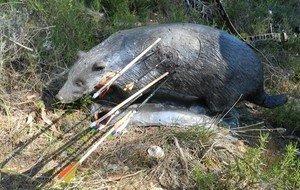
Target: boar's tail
x,y
274,101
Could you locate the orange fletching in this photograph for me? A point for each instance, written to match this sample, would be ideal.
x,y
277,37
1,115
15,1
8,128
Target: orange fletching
x,y
68,173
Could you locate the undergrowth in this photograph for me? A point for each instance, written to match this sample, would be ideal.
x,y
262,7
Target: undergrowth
x,y
258,169
286,116
39,40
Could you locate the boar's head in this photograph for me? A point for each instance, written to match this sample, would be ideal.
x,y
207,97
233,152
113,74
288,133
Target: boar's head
x,y
89,69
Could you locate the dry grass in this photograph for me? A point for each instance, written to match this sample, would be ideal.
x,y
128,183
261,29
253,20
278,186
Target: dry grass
x,y
37,141
121,162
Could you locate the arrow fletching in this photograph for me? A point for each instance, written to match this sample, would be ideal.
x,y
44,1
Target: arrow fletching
x,y
133,97
123,122
69,172
103,85
128,86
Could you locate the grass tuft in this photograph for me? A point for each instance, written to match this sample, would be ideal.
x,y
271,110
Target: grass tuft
x,y
39,39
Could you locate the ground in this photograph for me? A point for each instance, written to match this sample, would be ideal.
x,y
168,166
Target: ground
x,y
39,137
35,152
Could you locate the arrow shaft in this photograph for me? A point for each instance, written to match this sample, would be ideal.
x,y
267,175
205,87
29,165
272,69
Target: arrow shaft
x,y
70,171
125,69
123,122
151,69
133,97
93,148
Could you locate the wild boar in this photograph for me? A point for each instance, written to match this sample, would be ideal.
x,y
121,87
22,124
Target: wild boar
x,y
211,66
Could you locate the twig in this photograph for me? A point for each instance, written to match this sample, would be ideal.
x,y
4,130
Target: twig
x,y
8,3
210,149
247,130
30,49
231,107
248,126
121,177
182,157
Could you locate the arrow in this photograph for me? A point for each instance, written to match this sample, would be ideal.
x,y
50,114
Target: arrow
x,y
132,97
108,82
123,122
131,85
69,172
101,125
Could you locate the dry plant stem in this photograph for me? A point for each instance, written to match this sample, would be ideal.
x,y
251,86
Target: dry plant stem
x,y
15,173
11,3
121,177
210,149
248,126
231,107
182,157
19,44
260,130
293,138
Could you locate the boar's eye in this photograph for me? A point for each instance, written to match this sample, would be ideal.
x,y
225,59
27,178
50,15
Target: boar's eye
x,y
79,83
98,67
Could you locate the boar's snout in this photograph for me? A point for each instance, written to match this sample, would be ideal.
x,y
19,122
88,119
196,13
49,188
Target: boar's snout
x,y
59,98
67,96
63,98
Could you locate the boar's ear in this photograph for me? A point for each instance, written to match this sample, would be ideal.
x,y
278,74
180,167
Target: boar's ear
x,y
80,54
98,66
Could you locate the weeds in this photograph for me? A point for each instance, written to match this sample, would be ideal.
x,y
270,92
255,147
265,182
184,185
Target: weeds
x,y
206,180
259,168
286,116
13,32
39,39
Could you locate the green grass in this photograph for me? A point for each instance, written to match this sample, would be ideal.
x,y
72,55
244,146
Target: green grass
x,y
57,29
68,29
259,168
286,116
205,180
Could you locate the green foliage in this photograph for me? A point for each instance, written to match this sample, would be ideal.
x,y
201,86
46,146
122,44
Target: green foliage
x,y
64,27
205,180
120,16
273,171
258,168
255,17
251,168
285,116
286,173
68,29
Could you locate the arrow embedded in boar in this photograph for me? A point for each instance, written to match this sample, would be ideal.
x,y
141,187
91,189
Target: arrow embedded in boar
x,y
131,98
108,82
69,172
